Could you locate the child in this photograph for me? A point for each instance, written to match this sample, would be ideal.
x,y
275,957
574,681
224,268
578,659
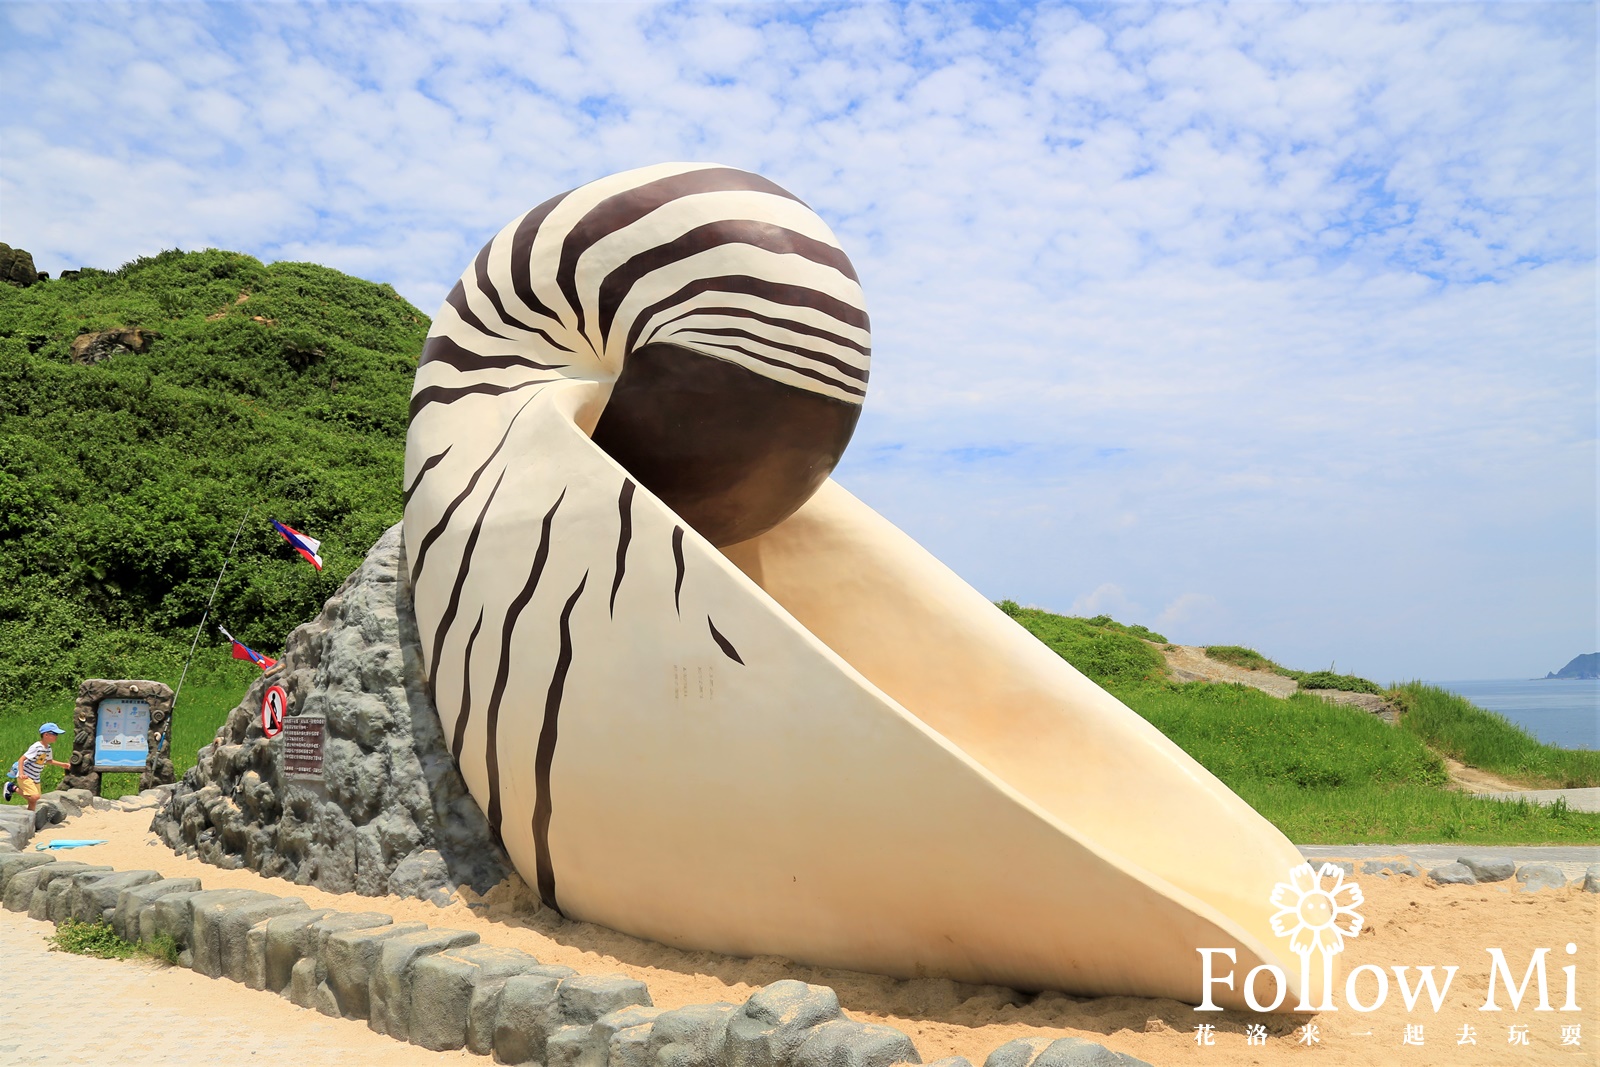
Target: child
x,y
32,764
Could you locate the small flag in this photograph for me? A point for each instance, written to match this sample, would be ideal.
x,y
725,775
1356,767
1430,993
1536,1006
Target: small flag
x,y
241,651
306,546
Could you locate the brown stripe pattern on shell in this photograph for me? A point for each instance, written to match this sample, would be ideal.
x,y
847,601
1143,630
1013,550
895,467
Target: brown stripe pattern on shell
x,y
730,329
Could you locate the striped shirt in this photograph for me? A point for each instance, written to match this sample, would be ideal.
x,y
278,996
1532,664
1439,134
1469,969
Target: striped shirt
x,y
34,759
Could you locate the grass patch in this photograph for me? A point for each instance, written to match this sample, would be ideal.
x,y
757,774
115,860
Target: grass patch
x,y
1251,660
91,939
1109,653
202,707
1106,622
1350,683
100,941
1326,774
1410,814
1480,738
1239,656
162,947
1239,734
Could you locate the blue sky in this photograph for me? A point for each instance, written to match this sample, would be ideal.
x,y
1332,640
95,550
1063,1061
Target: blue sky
x,y
1262,324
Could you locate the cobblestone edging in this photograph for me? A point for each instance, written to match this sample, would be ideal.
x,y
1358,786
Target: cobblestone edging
x,y
443,990
1477,869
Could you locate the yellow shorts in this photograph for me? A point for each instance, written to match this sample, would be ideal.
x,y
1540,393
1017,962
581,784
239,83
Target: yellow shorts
x,y
27,787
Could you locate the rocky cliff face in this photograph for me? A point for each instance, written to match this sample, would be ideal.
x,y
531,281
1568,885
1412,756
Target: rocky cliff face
x,y
391,813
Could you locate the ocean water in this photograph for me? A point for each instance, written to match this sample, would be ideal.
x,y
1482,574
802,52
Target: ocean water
x,y
1563,712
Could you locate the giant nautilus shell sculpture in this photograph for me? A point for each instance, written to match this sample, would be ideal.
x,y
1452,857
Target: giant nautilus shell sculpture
x,y
705,696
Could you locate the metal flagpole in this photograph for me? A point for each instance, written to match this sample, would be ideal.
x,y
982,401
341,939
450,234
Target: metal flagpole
x,y
199,629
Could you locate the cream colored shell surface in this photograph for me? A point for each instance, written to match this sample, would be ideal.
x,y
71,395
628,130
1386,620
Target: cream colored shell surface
x,y
819,743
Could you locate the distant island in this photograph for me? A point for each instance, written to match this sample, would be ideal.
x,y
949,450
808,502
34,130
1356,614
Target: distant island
x,y
1584,666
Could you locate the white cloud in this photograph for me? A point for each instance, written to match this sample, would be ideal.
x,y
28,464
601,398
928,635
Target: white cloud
x,y
1105,599
1187,610
1309,290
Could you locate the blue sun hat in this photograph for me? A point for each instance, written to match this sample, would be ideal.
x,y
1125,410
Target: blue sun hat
x,y
51,728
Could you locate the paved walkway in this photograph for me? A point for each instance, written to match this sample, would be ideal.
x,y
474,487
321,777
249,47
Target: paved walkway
x,y
1577,799
58,1008
1572,859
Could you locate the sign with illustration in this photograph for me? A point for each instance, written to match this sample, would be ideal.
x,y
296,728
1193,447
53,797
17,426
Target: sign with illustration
x,y
121,734
273,703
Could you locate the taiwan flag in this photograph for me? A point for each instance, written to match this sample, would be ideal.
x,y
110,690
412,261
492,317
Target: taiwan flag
x,y
306,546
242,651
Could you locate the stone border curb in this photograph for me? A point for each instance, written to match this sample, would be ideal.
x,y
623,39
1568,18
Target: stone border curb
x,y
1477,869
442,990
1486,869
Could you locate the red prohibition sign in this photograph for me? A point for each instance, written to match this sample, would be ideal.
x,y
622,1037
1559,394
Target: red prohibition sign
x,y
274,702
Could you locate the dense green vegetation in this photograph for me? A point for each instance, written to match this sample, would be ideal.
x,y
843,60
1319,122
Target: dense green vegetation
x,y
278,390
1461,730
1325,773
1240,733
1113,655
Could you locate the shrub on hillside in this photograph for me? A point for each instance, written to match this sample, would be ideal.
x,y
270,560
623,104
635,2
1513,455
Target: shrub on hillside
x,y
1112,655
1348,683
1239,656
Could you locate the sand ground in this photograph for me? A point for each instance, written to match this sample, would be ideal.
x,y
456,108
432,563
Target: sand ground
x,y
56,1009
1409,922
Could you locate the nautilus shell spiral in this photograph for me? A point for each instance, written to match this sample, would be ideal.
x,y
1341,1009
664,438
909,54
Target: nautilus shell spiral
x,y
706,696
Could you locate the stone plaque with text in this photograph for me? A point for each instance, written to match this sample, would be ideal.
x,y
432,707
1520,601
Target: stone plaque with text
x,y
302,748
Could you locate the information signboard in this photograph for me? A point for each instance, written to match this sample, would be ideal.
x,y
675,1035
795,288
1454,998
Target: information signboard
x,y
121,735
302,748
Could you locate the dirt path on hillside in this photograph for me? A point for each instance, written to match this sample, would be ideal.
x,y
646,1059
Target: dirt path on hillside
x,y
1473,780
1189,663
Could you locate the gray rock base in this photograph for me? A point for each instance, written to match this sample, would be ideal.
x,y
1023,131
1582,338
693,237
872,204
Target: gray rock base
x,y
391,813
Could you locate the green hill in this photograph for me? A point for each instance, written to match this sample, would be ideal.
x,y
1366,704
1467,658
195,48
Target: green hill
x,y
143,410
